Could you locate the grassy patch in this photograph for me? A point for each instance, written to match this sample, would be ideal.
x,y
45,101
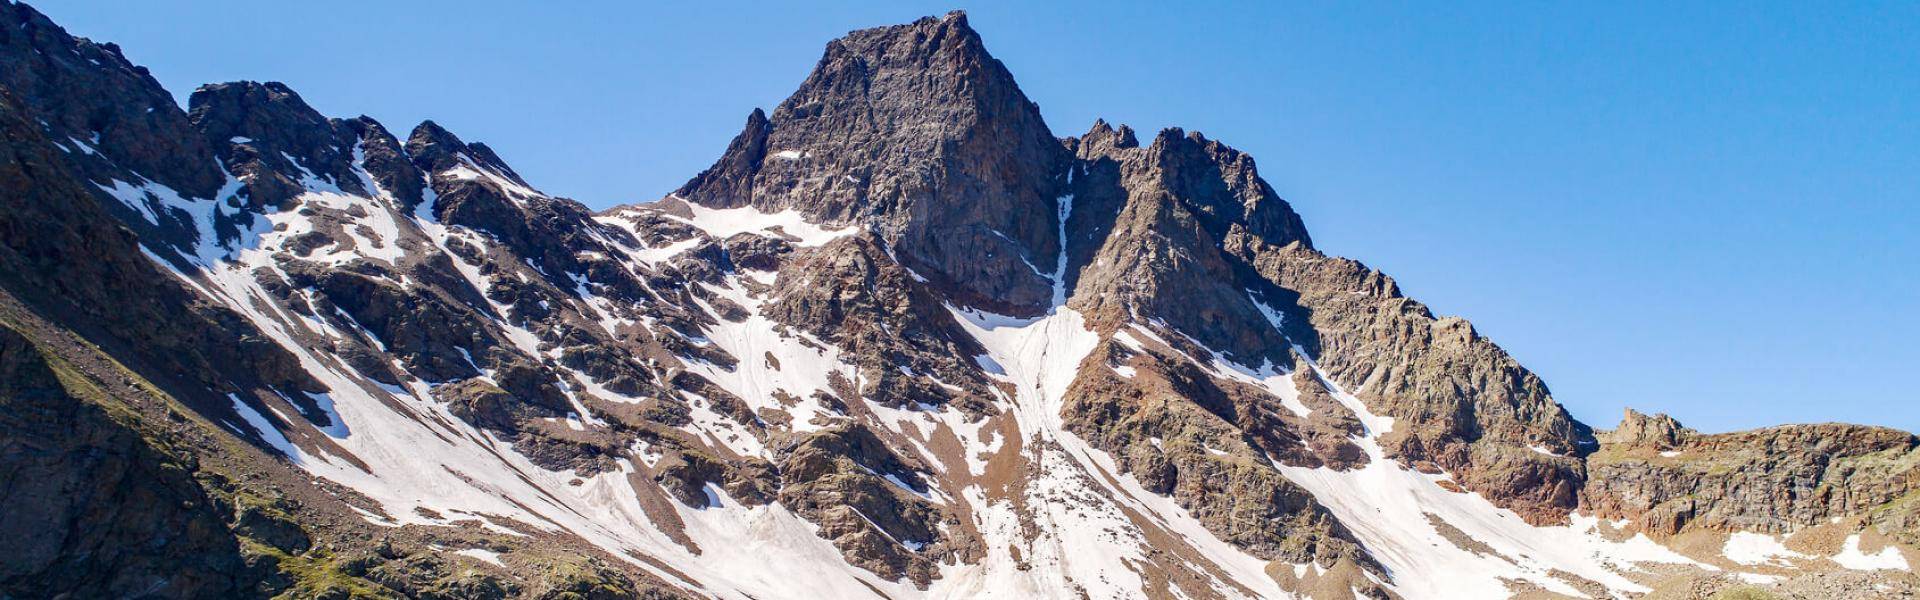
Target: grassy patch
x,y
316,574
1745,592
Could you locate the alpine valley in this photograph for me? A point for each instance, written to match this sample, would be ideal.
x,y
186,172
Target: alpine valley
x,y
901,340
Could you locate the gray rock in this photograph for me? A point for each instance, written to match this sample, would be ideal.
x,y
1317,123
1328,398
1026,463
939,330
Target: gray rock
x,y
916,132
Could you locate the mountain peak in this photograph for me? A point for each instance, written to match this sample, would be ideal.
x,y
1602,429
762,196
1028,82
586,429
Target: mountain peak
x,y
1104,134
917,132
435,149
251,109
431,141
270,135
1226,185
951,30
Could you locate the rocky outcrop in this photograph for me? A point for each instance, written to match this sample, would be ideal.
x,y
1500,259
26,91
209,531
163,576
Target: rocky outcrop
x,y
867,500
908,349
1640,430
685,474
1201,248
474,188
1162,211
1670,479
272,140
1204,442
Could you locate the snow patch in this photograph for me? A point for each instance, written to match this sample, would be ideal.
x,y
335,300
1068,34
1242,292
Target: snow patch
x,y
482,554
722,223
1852,557
1750,548
265,429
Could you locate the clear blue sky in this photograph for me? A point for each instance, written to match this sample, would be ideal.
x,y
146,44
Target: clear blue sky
x,y
1706,210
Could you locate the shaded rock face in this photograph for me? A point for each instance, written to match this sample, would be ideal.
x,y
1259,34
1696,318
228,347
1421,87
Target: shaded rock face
x,y
61,253
92,510
1778,479
89,93
386,162
917,132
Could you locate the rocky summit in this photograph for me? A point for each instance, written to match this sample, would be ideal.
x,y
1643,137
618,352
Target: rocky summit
x,y
901,340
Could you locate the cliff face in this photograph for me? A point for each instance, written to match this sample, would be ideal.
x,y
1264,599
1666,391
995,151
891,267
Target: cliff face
x,y
916,132
899,339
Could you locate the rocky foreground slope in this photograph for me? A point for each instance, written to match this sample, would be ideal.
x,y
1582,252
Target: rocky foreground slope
x,y
901,340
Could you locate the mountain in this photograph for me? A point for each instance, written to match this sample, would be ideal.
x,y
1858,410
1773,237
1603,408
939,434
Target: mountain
x,y
900,340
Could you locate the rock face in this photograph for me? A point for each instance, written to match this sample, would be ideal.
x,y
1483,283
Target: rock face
x,y
1190,214
1638,430
1775,480
1162,212
850,294
1467,407
918,133
867,500
106,109
1202,442
899,340
272,139
93,510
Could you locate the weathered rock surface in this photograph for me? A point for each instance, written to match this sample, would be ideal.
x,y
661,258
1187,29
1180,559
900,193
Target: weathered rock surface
x,y
272,140
873,506
909,350
917,132
1201,441
1199,245
1777,480
1162,212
